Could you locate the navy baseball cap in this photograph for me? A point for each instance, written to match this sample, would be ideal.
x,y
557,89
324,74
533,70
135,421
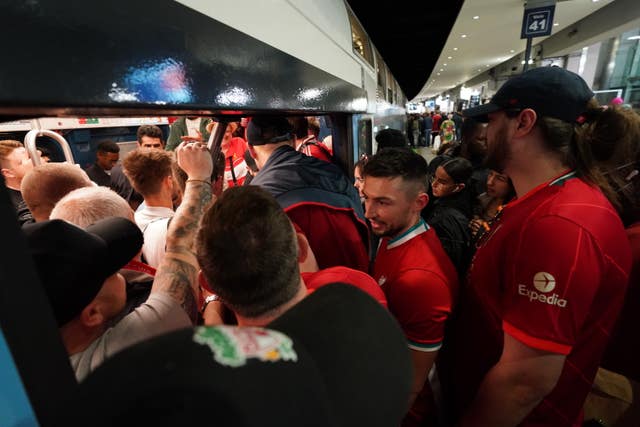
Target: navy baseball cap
x,y
268,130
337,358
73,263
549,91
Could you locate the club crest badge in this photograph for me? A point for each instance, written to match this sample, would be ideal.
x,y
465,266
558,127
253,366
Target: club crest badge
x,y
233,346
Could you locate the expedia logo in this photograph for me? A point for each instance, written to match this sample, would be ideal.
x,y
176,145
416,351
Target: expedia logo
x,y
544,283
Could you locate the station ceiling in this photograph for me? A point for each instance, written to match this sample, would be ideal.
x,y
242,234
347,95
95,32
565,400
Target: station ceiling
x,y
433,46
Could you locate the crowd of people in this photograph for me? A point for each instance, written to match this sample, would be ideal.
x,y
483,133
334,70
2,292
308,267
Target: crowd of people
x,y
480,289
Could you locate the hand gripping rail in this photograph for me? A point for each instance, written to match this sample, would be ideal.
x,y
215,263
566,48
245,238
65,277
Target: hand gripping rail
x,y
30,145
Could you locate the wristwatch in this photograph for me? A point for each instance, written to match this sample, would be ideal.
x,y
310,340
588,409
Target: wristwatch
x,y
207,300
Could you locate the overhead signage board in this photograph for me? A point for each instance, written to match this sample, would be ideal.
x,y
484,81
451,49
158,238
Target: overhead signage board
x,y
537,21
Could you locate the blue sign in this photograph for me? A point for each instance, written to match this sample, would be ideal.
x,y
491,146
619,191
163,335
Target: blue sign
x,y
537,21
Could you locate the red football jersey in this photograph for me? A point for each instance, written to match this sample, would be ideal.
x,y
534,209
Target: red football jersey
x,y
345,275
420,284
552,273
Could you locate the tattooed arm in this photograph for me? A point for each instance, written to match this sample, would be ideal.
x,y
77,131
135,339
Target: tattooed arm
x,y
177,273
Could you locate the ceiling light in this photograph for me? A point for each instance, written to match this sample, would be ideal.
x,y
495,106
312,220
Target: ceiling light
x,y
449,57
555,24
476,17
441,70
488,65
455,48
437,74
463,36
633,38
444,65
512,51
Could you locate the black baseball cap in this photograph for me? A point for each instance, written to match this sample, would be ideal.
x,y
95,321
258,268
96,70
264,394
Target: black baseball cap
x,y
549,91
73,263
268,130
337,358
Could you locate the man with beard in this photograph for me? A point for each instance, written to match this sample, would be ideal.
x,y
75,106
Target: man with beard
x,y
548,280
411,267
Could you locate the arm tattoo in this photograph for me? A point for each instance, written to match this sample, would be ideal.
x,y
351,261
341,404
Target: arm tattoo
x,y
177,273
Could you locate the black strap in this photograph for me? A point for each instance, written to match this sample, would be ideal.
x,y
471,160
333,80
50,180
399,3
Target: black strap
x,y
233,172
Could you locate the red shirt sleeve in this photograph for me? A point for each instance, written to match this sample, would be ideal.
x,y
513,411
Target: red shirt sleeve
x,y
551,284
421,302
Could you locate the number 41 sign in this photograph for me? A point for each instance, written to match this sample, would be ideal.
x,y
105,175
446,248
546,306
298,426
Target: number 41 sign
x,y
537,21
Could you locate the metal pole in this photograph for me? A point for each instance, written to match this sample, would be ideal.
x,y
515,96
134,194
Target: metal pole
x,y
527,54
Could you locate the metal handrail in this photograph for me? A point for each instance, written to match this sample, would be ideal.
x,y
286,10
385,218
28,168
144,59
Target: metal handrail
x,y
32,149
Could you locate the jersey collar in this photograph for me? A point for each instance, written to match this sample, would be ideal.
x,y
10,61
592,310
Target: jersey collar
x,y
557,181
414,231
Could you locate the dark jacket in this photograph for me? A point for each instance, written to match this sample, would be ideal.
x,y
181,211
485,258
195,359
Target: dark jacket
x,y
98,175
22,211
337,232
449,216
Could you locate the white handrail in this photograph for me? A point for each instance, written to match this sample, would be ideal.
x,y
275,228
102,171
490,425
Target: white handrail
x,y
30,145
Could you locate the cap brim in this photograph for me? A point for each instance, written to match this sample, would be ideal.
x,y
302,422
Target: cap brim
x,y
481,111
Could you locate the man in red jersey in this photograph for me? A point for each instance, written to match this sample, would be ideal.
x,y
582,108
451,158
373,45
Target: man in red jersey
x,y
415,273
547,282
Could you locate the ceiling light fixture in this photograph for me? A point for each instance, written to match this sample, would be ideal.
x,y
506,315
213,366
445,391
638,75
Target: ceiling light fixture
x,y
512,51
555,24
449,57
476,17
455,48
463,36
633,38
444,65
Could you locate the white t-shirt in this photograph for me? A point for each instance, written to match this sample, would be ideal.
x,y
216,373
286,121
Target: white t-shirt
x,y
153,222
193,126
159,315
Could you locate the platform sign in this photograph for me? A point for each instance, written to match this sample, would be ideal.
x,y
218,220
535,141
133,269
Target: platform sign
x,y
537,21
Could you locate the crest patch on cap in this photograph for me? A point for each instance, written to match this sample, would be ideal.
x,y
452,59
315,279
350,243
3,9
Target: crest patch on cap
x,y
233,346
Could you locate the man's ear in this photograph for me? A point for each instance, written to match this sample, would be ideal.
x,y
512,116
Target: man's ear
x,y
526,121
306,258
421,201
303,247
91,316
202,281
7,173
252,151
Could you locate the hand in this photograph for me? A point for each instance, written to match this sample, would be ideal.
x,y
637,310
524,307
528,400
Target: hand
x,y
194,158
188,138
475,225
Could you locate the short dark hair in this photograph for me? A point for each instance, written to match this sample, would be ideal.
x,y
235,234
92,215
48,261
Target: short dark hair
x,y
397,162
152,131
388,138
247,250
108,146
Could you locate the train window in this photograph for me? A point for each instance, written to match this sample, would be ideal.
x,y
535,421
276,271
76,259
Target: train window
x,y
360,40
382,72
